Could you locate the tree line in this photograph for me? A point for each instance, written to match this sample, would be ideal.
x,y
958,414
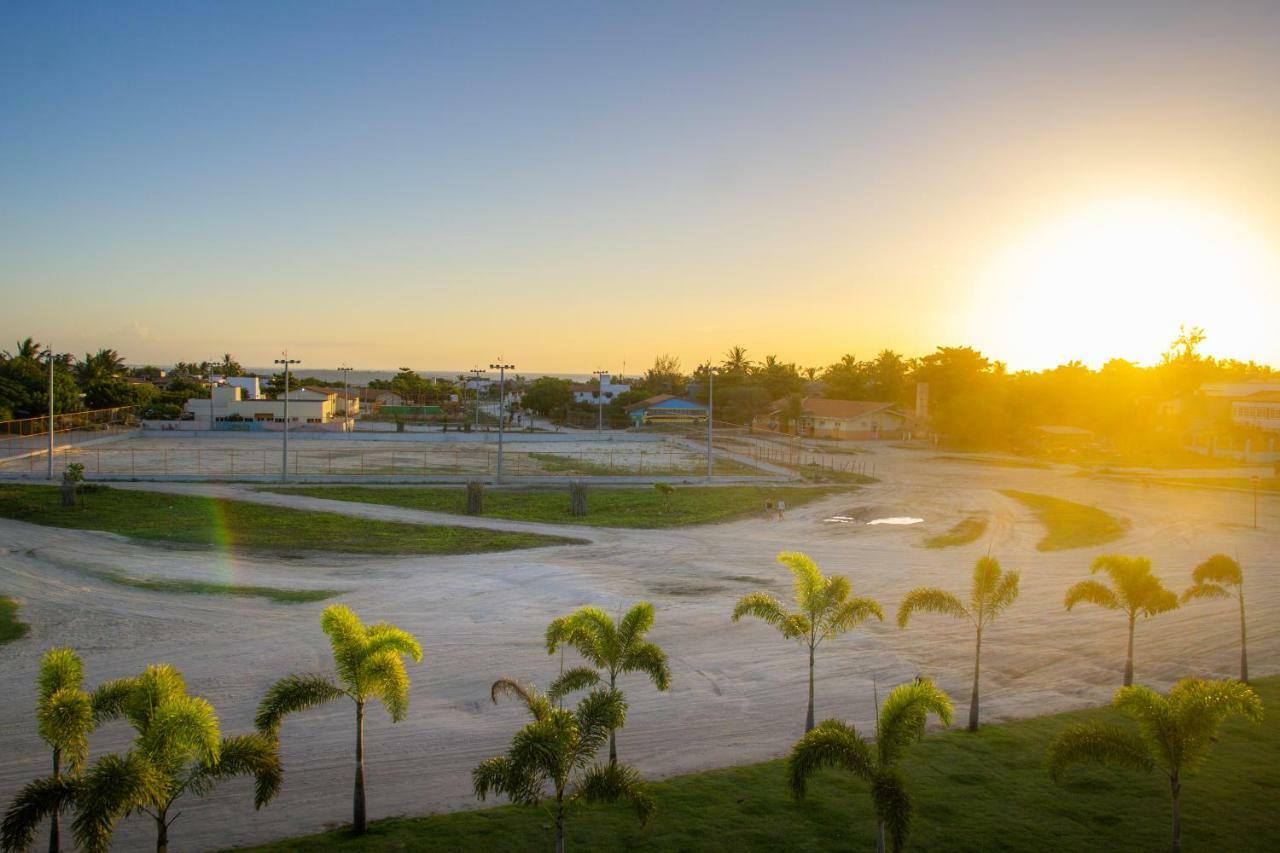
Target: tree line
x,y
179,749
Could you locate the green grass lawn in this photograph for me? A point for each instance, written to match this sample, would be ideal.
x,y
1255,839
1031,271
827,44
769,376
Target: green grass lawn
x,y
1069,524
973,792
962,532
196,520
11,627
606,507
192,587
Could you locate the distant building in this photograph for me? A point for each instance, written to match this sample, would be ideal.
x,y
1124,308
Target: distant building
x,y
847,419
1260,411
666,408
249,385
586,392
230,409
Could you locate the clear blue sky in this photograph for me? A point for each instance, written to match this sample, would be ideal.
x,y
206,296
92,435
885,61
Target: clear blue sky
x,y
576,185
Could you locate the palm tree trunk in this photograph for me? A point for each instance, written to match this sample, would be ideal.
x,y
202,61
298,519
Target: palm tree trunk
x,y
613,734
879,836
808,720
1244,654
55,829
1128,661
559,824
1175,788
358,822
973,702
162,832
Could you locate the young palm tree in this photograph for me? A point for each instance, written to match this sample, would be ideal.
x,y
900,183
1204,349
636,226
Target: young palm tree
x,y
370,666
1211,579
837,744
178,749
825,610
64,714
558,747
612,649
1133,589
993,591
1173,733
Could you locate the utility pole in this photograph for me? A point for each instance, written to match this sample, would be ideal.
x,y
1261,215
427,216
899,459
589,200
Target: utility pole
x,y
346,396
600,400
502,369
284,460
711,390
49,353
476,375
211,418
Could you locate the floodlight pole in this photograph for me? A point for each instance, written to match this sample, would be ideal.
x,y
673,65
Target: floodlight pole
x,y
502,369
284,459
211,419
49,353
711,390
599,401
346,395
476,373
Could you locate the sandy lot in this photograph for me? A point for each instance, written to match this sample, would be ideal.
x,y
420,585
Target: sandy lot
x,y
738,691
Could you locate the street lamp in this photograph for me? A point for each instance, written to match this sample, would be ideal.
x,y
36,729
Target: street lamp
x,y
49,353
284,459
599,400
476,375
502,408
346,396
211,418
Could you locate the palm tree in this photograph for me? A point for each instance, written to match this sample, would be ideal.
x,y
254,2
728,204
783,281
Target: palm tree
x,y
558,747
178,749
991,594
736,361
1134,590
615,649
825,610
1173,733
370,665
1211,579
899,723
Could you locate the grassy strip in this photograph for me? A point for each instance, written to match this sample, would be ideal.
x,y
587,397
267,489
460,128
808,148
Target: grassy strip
x,y
993,461
606,507
559,463
962,532
198,520
192,587
11,627
1069,524
985,791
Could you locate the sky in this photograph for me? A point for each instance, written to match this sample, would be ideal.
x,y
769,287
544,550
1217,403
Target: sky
x,y
573,186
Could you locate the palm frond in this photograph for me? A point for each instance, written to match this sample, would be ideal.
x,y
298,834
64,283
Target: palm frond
x,y
591,631
255,755
572,680
1219,569
650,659
930,600
342,626
986,574
1156,599
64,720
1094,743
598,713
110,698
184,727
60,669
388,638
499,775
113,786
807,579
1204,589
904,713
291,694
608,783
538,705
38,800
384,677
831,743
1199,708
153,689
1000,598
1091,592
761,605
892,805
635,624
849,614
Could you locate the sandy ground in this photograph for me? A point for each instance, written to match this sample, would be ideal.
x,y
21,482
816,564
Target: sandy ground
x,y
738,691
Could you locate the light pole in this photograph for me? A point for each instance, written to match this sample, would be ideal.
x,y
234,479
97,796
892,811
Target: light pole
x,y
49,352
476,375
502,407
346,396
211,419
284,459
711,390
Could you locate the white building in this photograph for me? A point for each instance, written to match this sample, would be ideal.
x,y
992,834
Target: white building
x,y
314,407
1259,411
585,392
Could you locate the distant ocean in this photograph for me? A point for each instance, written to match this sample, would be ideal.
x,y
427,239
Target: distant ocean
x,y
362,377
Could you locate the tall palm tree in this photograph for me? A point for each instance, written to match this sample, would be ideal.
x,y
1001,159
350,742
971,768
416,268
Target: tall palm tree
x,y
736,361
1211,579
825,610
1134,589
613,649
178,749
370,665
558,747
991,594
1174,733
900,723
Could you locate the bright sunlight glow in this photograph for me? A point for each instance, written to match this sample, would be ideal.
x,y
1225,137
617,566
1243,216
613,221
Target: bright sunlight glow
x,y
1118,277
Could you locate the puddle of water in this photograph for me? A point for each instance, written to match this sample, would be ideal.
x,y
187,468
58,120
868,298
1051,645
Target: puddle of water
x,y
841,519
902,519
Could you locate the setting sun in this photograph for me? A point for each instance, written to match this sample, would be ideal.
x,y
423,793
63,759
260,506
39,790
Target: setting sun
x,y
1118,277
